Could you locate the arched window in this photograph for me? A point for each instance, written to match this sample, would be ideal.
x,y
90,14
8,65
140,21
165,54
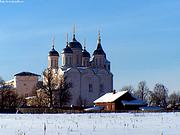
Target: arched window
x,y
70,60
101,88
66,62
96,62
100,62
90,88
55,63
77,59
51,63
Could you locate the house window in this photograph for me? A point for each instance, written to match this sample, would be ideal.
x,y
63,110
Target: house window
x,y
90,88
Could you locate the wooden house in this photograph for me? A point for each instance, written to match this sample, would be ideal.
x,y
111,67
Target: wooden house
x,y
122,100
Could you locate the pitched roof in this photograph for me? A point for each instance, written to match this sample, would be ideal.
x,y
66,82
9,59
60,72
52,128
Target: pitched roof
x,y
26,74
110,97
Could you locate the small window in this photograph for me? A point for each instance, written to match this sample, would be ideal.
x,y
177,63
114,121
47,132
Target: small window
x,y
90,88
77,59
100,62
109,67
52,63
101,88
96,62
66,61
70,60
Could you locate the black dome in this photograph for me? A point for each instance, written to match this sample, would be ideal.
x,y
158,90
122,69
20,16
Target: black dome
x,y
67,50
85,53
99,50
74,43
53,52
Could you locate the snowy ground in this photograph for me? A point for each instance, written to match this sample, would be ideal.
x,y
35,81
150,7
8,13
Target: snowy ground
x,y
91,124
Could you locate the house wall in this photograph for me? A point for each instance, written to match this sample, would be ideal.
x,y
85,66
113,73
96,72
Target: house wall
x,y
107,106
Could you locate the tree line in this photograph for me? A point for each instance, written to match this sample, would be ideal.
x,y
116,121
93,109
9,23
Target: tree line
x,y
158,96
54,92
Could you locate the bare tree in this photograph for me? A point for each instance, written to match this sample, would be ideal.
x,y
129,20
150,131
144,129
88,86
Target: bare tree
x,y
173,98
142,91
64,95
129,88
159,95
49,85
56,88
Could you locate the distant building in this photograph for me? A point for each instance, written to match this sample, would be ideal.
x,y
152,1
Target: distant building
x,y
91,77
24,83
122,100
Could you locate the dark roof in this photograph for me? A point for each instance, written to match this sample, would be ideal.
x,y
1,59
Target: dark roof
x,y
74,43
53,52
85,53
67,50
26,74
99,50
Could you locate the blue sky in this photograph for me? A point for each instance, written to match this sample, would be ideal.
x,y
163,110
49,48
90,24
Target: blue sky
x,y
141,38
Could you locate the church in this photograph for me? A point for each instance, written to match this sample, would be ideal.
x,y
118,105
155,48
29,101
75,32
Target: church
x,y
90,75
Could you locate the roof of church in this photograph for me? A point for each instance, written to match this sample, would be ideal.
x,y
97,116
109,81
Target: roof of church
x,y
26,74
74,43
67,49
85,53
53,52
99,50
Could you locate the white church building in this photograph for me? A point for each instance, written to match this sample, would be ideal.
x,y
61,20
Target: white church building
x,y
90,76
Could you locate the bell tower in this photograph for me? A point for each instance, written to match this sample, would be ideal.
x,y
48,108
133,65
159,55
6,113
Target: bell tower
x,y
99,58
53,57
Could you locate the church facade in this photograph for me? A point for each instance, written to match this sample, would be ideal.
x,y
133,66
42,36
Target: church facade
x,y
90,76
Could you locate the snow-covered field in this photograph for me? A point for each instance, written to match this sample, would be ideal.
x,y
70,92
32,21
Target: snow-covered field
x,y
91,124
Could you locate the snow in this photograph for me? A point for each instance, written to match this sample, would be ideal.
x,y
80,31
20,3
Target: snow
x,y
110,97
95,108
90,124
